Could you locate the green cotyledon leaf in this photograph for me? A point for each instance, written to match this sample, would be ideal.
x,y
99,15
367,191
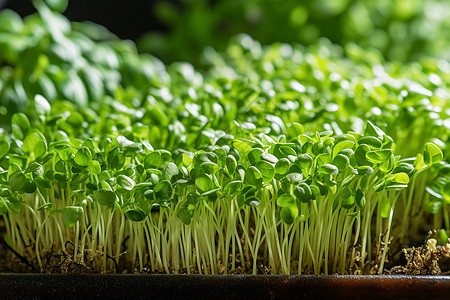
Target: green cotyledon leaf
x,y
136,215
267,170
253,176
289,213
83,156
71,215
106,197
432,154
17,181
379,156
35,143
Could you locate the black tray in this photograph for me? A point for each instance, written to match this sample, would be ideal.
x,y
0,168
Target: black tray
x,y
37,286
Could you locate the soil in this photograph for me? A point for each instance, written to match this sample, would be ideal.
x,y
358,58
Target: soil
x,y
427,259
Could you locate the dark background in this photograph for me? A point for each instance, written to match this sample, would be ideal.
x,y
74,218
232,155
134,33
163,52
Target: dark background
x,y
179,30
128,19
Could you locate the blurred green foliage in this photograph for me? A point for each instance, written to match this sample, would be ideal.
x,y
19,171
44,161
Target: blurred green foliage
x,y
401,30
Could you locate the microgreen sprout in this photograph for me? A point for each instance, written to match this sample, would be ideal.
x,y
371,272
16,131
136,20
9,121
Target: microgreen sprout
x,y
300,160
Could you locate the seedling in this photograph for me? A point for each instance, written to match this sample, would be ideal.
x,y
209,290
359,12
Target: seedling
x,y
284,157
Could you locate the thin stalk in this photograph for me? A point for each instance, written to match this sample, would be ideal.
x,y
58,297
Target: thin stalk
x,y
387,236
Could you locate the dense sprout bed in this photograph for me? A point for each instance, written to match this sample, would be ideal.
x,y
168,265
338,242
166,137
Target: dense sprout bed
x,y
272,159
